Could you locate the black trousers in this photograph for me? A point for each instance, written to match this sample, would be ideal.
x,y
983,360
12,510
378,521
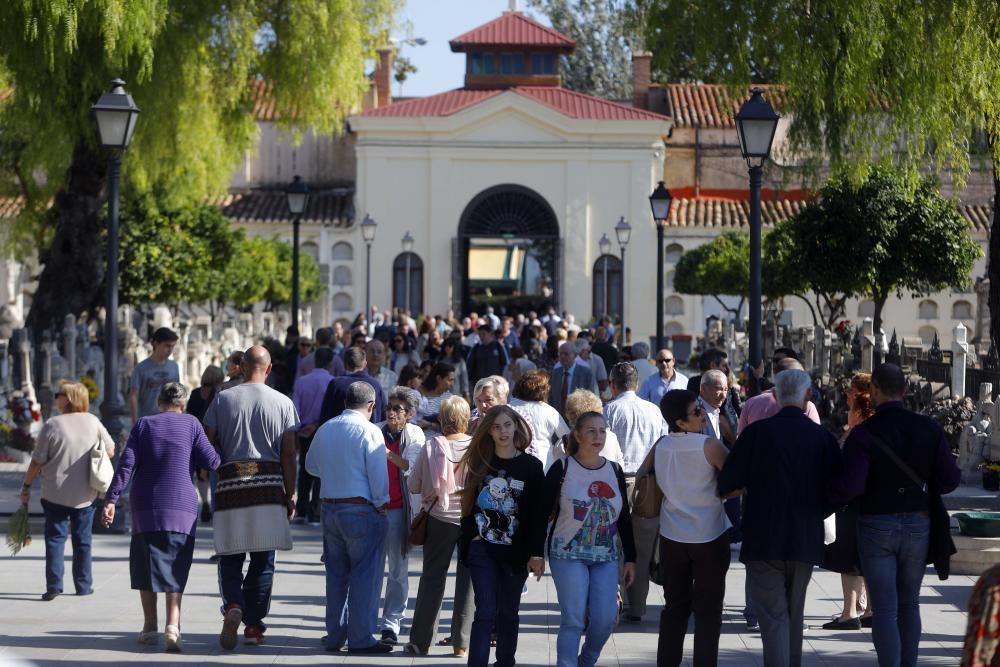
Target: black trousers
x,y
695,581
307,500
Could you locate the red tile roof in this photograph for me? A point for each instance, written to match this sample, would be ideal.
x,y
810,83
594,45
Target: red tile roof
x,y
332,207
979,216
513,29
261,94
566,102
10,207
712,105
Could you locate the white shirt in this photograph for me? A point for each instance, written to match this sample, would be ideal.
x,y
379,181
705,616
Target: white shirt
x,y
691,511
711,419
638,424
547,426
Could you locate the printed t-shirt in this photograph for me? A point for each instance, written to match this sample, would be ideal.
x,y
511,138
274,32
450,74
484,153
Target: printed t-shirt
x,y
589,506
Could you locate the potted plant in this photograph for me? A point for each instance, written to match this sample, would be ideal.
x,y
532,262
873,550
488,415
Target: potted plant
x,y
991,475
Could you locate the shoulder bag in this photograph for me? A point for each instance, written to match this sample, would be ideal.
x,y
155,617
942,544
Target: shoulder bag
x,y
101,469
940,546
647,497
418,527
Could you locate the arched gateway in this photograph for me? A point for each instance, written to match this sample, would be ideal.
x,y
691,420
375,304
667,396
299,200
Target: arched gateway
x,y
508,241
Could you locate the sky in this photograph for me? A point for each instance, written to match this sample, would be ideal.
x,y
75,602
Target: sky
x,y
437,21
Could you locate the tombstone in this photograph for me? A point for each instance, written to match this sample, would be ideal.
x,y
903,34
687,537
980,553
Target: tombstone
x,y
180,352
162,317
868,345
959,355
982,289
893,356
975,439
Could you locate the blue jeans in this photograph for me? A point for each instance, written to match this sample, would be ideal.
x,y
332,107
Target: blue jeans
x,y
583,586
251,592
354,551
497,587
397,585
78,523
893,550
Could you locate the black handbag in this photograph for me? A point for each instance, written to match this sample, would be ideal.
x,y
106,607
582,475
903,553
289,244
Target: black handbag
x,y
940,546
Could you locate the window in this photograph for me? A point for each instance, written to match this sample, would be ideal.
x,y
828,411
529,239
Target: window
x,y
342,276
674,305
928,310
408,277
543,63
341,303
961,310
342,251
483,63
927,335
512,63
866,308
673,253
607,286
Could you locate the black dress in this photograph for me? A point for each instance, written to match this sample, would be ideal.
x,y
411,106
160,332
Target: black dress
x,y
842,555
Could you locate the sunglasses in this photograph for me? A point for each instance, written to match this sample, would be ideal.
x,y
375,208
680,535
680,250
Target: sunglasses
x,y
663,361
395,408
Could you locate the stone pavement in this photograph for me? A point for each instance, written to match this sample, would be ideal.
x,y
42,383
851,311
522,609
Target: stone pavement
x,y
102,628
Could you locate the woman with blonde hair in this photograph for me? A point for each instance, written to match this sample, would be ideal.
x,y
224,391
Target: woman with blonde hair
x,y
62,458
439,478
503,533
842,555
578,403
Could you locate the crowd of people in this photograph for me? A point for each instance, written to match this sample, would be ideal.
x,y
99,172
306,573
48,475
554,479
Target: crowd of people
x,y
520,443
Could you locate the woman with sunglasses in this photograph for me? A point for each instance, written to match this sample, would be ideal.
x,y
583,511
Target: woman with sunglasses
x,y
402,354
694,543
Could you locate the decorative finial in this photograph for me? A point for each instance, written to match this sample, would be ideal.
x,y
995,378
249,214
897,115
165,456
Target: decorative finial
x,y
513,5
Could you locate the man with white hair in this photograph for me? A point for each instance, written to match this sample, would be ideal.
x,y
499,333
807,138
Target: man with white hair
x,y
585,357
713,389
640,359
568,376
785,464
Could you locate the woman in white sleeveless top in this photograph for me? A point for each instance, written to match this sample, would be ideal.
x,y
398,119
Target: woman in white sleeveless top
x,y
694,544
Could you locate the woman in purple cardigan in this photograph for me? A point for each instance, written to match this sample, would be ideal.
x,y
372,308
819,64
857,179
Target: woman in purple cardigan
x,y
162,452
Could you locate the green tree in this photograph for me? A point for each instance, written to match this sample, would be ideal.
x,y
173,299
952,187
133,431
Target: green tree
x,y
605,37
247,277
279,290
194,67
721,266
909,83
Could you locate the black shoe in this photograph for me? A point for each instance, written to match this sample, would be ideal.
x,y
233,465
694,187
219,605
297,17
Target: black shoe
x,y
389,637
843,624
48,596
206,513
634,620
866,621
374,649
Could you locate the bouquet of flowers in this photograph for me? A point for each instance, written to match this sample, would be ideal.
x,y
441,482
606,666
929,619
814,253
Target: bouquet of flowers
x,y
989,466
18,533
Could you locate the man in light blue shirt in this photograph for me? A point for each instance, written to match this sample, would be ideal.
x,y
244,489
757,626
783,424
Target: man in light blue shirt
x,y
348,456
666,379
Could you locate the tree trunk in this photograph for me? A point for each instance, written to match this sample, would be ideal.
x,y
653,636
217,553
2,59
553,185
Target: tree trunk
x,y
993,260
74,265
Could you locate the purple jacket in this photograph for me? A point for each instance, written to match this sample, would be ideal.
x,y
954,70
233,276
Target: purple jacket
x,y
159,459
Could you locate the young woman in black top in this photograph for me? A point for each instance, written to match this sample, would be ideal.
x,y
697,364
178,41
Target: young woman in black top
x,y
503,531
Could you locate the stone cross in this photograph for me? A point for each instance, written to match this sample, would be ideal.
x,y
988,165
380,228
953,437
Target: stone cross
x,y
959,354
867,345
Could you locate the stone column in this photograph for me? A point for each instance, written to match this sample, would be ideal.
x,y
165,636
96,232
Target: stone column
x,y
959,354
867,345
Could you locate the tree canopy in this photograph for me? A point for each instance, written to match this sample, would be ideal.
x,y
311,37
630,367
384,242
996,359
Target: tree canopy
x,y
194,67
719,267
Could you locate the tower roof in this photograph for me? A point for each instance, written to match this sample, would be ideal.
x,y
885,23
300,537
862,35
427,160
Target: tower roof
x,y
513,29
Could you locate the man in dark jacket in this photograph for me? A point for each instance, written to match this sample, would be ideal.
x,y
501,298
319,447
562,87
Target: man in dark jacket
x,y
334,401
487,358
784,463
894,522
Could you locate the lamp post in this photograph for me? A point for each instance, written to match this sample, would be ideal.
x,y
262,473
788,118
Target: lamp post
x,y
116,115
756,123
605,245
623,231
297,195
368,228
407,250
660,202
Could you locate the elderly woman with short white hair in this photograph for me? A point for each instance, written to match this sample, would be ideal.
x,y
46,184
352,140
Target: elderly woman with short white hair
x,y
489,391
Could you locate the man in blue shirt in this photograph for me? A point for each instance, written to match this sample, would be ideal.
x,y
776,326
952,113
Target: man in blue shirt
x,y
667,378
348,456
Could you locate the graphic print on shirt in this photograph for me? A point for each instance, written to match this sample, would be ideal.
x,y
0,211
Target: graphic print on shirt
x,y
497,516
596,535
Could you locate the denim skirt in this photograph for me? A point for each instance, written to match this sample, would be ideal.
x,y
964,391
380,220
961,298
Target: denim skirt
x,y
160,561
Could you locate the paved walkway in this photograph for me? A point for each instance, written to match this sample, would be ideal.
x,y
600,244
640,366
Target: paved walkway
x,y
101,628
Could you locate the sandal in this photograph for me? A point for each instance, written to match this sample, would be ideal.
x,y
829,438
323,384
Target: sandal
x,y
149,637
172,637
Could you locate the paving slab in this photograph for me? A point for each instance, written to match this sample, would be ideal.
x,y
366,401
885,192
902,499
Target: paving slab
x,y
102,628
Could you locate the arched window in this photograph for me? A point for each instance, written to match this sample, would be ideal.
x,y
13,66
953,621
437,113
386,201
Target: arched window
x,y
674,305
673,252
927,335
408,276
961,310
866,308
607,286
311,249
342,303
341,250
928,310
673,329
342,276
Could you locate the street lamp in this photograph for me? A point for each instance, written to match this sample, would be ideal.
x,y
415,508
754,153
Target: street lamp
x,y
756,123
605,245
407,251
623,231
297,196
660,202
368,228
116,115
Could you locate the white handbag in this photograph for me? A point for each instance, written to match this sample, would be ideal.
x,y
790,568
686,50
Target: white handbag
x,y
101,469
